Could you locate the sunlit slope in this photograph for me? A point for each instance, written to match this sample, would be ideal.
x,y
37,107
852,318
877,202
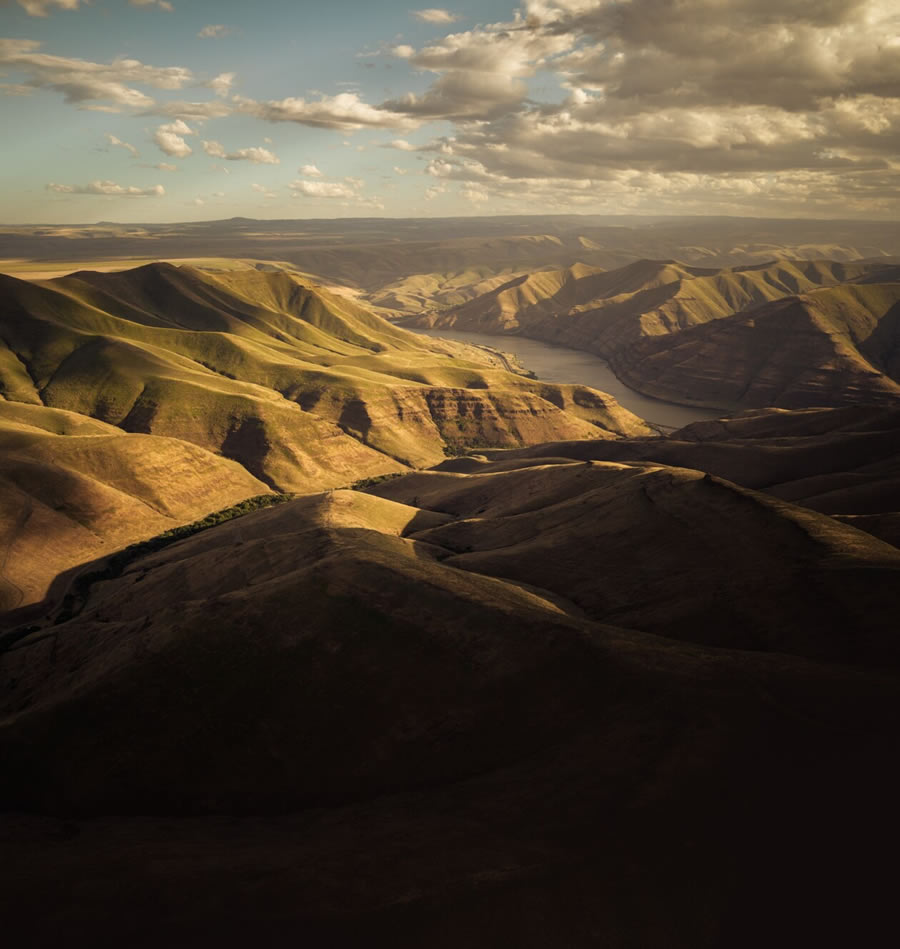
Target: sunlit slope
x,y
74,488
603,311
305,388
834,346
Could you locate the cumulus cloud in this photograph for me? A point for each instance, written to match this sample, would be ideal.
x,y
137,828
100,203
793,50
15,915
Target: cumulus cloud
x,y
43,7
481,72
221,84
345,111
162,4
213,31
322,189
109,188
264,191
670,104
435,15
170,138
165,166
80,81
788,55
117,142
311,171
259,156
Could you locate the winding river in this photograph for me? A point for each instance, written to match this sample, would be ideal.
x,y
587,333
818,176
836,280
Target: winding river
x,y
559,364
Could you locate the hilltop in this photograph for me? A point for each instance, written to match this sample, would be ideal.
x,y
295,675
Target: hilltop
x,y
229,385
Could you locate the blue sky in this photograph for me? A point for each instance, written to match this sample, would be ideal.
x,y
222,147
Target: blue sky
x,y
140,110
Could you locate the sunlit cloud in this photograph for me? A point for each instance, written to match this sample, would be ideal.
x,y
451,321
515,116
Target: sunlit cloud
x,y
255,154
109,188
118,143
434,15
170,139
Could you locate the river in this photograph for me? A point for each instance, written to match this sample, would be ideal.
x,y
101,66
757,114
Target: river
x,y
559,364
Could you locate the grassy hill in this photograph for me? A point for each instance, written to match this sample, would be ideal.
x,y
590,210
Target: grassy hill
x,y
303,387
603,311
566,679
207,371
73,489
834,346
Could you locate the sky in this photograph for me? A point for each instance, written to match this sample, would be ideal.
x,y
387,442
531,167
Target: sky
x,y
156,111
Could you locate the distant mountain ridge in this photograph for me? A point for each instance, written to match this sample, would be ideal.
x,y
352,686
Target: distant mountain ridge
x,y
635,314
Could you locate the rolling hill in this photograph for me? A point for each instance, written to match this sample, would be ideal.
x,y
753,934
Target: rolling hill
x,y
73,489
605,311
230,385
305,388
834,346
566,679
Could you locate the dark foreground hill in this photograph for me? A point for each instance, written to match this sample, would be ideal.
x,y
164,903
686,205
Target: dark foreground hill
x,y
843,462
534,702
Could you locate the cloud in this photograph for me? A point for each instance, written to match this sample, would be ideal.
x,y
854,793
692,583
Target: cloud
x,y
214,31
474,194
42,7
401,145
792,106
221,84
170,138
264,191
481,72
162,4
433,15
259,156
345,111
81,81
322,189
190,111
788,55
165,166
109,188
120,144
400,171
310,171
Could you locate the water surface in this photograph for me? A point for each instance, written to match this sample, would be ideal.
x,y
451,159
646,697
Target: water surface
x,y
560,364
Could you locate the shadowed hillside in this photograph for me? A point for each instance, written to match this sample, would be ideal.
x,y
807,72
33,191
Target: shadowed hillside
x,y
836,346
844,461
788,333
356,684
603,311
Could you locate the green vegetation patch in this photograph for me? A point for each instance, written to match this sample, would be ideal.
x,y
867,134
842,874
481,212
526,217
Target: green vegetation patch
x,y
74,601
